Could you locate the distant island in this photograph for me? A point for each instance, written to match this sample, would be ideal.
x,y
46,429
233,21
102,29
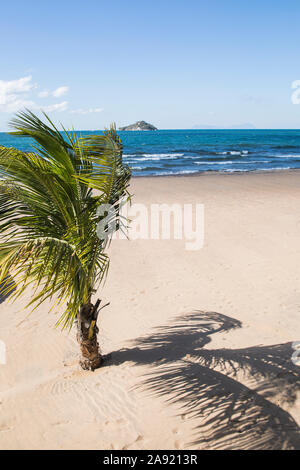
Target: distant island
x,y
246,125
139,126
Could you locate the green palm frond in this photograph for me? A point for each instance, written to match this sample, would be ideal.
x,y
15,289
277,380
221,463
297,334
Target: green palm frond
x,y
48,212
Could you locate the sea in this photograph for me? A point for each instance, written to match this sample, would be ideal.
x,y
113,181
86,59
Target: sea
x,y
180,152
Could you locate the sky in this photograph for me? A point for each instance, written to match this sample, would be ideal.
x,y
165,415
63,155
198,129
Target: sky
x,y
174,63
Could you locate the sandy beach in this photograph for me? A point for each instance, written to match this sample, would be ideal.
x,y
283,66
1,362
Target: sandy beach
x,y
198,344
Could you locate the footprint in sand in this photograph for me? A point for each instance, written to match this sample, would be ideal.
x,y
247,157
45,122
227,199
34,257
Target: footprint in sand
x,y
4,427
138,439
61,423
120,421
61,387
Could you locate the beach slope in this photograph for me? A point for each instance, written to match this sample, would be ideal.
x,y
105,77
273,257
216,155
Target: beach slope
x,y
198,344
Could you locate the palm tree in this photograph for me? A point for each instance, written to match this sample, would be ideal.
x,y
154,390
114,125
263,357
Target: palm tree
x,y
49,211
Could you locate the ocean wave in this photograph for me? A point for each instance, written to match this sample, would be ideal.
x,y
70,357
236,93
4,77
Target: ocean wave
x,y
193,157
285,146
227,162
219,158
277,169
286,156
228,170
169,173
154,156
235,170
233,152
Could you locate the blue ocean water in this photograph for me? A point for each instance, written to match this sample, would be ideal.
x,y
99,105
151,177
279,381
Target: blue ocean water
x,y
175,152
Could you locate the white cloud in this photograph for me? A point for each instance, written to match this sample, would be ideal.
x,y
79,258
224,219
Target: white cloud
x,y
86,111
22,85
13,94
62,90
56,107
16,94
43,94
16,105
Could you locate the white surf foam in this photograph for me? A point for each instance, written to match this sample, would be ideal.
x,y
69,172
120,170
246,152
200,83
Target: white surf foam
x,y
154,156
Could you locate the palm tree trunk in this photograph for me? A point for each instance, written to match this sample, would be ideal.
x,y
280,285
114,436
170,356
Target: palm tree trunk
x,y
87,331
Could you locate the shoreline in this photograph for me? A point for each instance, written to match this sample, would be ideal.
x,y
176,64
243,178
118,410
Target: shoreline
x,y
222,173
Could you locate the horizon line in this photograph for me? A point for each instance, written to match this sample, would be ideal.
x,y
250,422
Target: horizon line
x,y
187,129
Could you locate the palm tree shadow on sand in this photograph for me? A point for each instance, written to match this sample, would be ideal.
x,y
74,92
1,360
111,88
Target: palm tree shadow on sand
x,y
206,383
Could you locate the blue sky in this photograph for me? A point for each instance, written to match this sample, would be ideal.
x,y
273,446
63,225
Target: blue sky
x,y
174,63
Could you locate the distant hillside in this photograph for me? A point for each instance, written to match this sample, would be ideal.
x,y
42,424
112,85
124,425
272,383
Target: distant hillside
x,y
139,126
246,125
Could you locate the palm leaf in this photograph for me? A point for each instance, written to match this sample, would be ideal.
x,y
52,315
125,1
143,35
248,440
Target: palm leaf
x,y
48,212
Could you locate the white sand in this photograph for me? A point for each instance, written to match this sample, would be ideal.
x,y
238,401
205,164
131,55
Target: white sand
x,y
177,378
